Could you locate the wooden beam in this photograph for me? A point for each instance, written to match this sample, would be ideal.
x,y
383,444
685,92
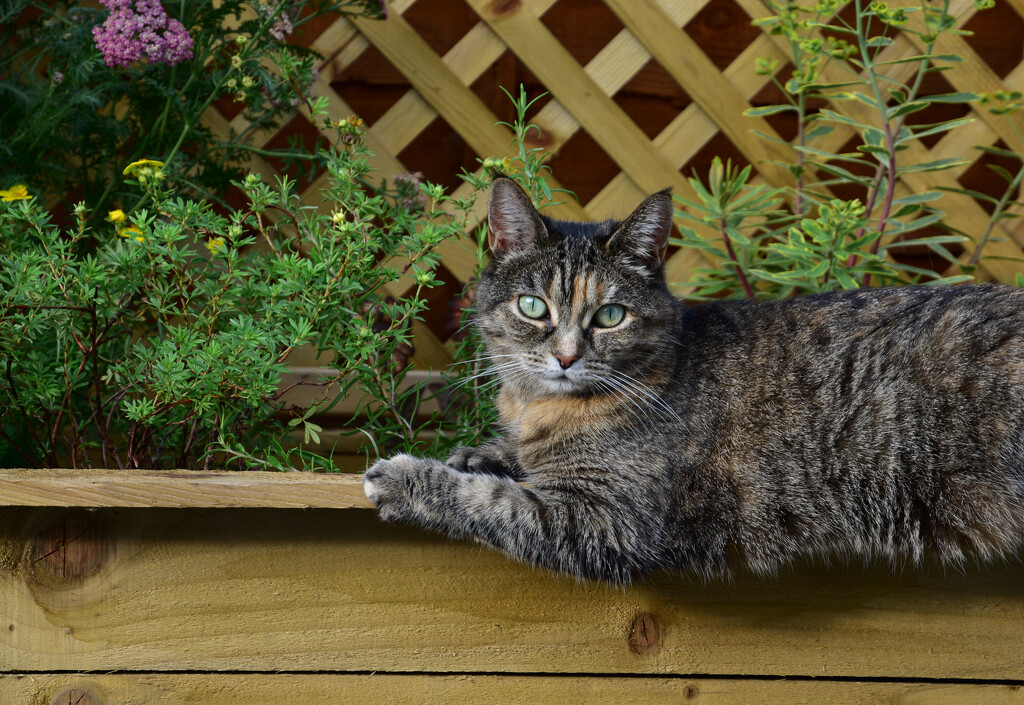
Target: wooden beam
x,y
324,590
179,488
300,689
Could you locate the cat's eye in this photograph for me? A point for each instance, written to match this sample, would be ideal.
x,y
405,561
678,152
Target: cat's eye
x,y
533,307
609,315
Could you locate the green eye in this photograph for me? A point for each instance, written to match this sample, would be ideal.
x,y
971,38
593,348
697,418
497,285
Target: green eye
x,y
533,307
609,315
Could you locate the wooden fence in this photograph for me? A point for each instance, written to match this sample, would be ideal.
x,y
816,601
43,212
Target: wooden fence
x,y
169,588
642,94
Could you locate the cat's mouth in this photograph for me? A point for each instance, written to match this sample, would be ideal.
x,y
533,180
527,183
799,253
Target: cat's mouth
x,y
564,381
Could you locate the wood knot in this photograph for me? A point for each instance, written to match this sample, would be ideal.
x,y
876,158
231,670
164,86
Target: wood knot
x,y
76,696
68,549
691,692
504,7
643,635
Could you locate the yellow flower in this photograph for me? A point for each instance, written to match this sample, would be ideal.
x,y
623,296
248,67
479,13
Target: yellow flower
x,y
131,231
116,216
215,245
18,192
141,164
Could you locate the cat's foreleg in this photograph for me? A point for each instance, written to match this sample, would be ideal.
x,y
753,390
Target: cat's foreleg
x,y
556,529
495,458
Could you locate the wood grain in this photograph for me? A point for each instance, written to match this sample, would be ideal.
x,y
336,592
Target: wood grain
x,y
337,591
179,488
160,689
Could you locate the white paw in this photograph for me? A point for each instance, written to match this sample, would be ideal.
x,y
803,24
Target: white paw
x,y
369,487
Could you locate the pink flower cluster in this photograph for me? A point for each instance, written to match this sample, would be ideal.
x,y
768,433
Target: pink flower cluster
x,y
141,29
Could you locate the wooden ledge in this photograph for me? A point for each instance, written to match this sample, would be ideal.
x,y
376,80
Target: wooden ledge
x,y
180,488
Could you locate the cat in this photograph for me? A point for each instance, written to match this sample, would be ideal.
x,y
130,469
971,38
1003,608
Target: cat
x,y
640,434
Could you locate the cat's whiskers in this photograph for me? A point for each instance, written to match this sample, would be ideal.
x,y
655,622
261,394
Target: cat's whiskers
x,y
649,394
494,370
632,406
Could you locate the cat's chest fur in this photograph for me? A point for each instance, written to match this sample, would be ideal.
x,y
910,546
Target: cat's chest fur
x,y
551,426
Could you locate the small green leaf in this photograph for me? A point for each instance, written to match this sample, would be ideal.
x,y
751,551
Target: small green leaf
x,y
958,97
999,152
769,110
844,279
917,198
818,270
906,109
1007,176
941,127
818,131
936,165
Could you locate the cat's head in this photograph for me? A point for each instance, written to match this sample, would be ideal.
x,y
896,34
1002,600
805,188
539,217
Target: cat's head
x,y
575,308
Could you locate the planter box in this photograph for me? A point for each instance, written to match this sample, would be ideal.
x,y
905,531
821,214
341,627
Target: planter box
x,y
174,587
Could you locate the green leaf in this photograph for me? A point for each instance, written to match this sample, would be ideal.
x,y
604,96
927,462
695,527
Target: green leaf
x,y
919,58
844,279
1000,152
786,278
818,270
941,127
937,165
958,97
830,86
973,194
950,280
906,210
832,156
906,109
832,116
818,131
769,110
771,138
844,174
1007,176
917,198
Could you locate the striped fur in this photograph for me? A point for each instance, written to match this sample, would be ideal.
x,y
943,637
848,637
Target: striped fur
x,y
878,423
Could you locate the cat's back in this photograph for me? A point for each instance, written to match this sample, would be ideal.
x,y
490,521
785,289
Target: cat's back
x,y
926,331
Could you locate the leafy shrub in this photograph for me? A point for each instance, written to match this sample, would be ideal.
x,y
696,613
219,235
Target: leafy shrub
x,y
160,339
775,242
80,99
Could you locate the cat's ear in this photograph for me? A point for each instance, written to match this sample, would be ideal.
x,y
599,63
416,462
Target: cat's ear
x,y
642,238
513,224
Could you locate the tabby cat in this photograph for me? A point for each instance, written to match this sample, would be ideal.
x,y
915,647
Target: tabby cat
x,y
639,434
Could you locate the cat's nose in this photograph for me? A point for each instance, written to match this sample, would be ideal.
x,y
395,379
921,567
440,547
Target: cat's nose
x,y
565,360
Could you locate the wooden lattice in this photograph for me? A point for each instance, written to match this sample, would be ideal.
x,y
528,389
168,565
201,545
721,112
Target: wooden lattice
x,y
444,84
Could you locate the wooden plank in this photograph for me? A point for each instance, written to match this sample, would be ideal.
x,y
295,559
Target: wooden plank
x,y
315,689
330,591
178,488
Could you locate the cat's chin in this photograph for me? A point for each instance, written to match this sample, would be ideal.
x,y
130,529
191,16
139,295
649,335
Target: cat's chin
x,y
561,386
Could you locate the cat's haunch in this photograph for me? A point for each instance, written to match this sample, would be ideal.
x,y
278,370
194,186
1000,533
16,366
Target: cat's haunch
x,y
638,434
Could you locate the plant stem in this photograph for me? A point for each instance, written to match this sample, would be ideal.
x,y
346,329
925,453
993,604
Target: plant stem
x,y
736,263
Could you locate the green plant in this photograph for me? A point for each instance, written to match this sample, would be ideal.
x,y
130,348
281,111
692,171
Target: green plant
x,y
164,344
782,242
71,121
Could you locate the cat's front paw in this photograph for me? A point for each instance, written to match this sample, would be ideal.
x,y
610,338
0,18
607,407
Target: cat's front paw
x,y
391,484
483,460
